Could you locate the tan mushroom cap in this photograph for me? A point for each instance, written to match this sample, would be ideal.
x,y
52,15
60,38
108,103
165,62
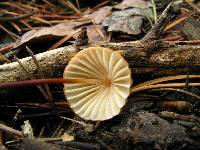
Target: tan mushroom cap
x,y
94,101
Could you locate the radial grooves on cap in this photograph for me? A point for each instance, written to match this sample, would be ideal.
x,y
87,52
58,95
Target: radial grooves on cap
x,y
94,101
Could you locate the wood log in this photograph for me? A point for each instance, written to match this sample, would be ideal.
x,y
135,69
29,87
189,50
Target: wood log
x,y
172,60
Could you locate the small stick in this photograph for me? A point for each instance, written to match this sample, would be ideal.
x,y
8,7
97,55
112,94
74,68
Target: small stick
x,y
70,5
175,116
16,26
26,24
193,6
12,35
173,38
75,121
57,21
159,26
16,18
29,7
4,58
191,42
6,48
54,16
164,79
77,4
175,22
62,104
167,85
154,11
14,5
10,12
32,77
41,73
41,20
11,130
22,21
63,40
100,33
101,4
51,113
50,4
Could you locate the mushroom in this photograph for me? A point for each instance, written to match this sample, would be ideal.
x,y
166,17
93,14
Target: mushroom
x,y
109,86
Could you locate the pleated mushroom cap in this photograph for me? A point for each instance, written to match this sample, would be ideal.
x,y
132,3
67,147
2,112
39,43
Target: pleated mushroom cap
x,y
96,101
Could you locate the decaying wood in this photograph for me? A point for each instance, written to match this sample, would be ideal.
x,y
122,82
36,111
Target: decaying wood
x,y
180,59
51,62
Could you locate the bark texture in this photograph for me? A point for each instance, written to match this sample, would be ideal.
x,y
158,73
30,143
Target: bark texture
x,y
52,63
172,60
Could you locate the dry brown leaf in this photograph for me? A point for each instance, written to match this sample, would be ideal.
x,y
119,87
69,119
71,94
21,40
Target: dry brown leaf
x,y
133,3
99,15
127,21
47,33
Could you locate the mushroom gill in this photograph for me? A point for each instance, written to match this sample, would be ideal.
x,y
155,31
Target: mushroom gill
x,y
109,86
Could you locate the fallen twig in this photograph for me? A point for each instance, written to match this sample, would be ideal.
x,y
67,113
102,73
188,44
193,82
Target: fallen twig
x,y
6,48
11,130
16,18
193,6
12,35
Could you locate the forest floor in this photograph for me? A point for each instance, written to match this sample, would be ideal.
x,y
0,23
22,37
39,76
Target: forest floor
x,y
159,39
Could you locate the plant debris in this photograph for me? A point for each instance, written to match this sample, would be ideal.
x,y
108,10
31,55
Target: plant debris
x,y
133,3
147,128
191,29
99,15
159,41
127,21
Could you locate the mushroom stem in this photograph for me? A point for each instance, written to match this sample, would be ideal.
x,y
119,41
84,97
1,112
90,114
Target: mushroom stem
x,y
152,84
52,81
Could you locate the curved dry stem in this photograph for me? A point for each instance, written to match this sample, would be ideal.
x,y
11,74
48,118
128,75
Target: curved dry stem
x,y
167,85
164,79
